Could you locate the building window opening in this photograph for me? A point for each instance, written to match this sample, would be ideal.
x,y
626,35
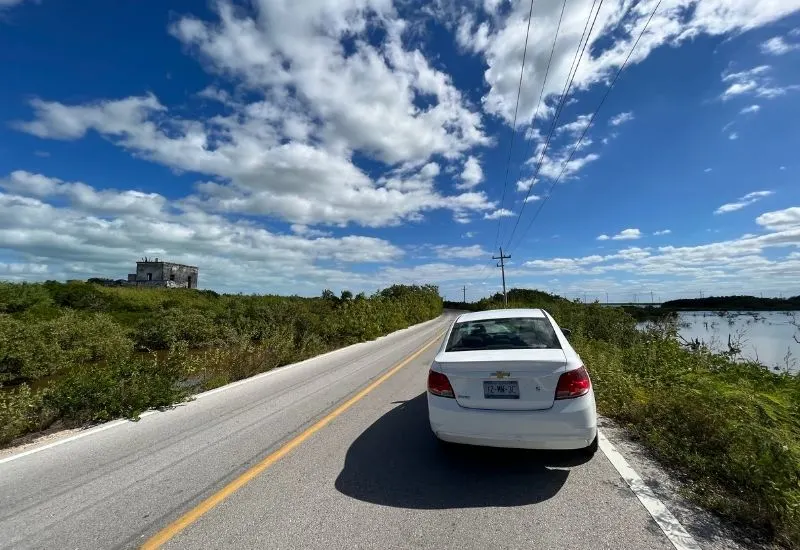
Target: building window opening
x,y
171,276
149,276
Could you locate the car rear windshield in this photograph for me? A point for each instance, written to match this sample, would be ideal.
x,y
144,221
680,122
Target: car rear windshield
x,y
511,333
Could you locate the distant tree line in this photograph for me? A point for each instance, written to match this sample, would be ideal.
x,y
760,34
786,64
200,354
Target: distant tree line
x,y
734,303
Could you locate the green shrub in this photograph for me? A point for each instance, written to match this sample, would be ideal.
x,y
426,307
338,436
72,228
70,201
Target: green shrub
x,y
78,295
171,326
122,388
21,411
31,349
27,350
81,337
19,297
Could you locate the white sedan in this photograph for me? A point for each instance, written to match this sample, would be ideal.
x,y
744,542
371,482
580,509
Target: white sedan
x,y
510,378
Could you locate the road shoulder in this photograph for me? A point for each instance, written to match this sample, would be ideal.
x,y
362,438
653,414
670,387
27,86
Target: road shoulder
x,y
710,531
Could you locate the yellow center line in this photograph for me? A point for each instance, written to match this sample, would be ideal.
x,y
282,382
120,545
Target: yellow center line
x,y
168,532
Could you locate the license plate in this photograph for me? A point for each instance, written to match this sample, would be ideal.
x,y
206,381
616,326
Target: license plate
x,y
501,390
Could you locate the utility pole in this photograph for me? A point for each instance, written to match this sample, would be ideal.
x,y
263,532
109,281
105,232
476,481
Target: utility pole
x,y
502,266
465,294
651,297
606,296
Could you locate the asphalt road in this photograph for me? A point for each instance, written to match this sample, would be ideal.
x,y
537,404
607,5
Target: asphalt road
x,y
373,477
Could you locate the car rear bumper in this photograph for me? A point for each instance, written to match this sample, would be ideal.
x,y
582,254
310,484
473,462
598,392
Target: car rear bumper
x,y
568,424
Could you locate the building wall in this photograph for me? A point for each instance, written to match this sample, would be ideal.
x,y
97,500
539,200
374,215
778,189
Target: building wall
x,y
184,276
154,269
166,274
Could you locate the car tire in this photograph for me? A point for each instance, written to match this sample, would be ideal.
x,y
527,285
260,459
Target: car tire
x,y
591,449
445,446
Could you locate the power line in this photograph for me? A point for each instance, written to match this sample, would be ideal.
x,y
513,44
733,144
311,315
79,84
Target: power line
x,y
560,107
591,121
514,125
539,102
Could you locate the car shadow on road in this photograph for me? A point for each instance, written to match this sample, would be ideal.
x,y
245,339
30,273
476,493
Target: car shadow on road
x,y
398,462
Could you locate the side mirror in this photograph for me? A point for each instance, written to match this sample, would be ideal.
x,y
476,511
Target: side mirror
x,y
567,332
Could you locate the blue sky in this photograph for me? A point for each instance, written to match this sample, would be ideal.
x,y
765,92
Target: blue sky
x,y
288,147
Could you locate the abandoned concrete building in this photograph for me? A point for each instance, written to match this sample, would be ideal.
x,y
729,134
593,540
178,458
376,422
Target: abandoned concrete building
x,y
158,273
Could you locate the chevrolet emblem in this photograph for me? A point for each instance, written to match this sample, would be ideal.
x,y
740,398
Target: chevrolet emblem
x,y
500,374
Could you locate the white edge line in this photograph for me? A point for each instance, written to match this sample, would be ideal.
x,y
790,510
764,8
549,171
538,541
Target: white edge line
x,y
671,527
120,422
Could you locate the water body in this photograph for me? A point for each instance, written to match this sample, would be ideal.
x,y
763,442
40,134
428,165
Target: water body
x,y
764,336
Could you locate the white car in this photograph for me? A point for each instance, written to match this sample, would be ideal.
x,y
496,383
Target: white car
x,y
510,378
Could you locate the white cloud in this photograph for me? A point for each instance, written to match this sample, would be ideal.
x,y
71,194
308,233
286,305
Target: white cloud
x,y
733,135
621,118
83,197
287,151
365,99
778,46
115,118
469,235
447,252
553,167
750,109
8,3
754,82
780,220
627,234
66,242
707,170
624,235
725,265
82,239
499,213
533,198
782,168
576,126
501,41
741,202
471,175
298,106
662,232
524,184
296,181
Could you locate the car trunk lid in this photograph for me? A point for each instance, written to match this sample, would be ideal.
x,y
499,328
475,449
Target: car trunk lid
x,y
514,379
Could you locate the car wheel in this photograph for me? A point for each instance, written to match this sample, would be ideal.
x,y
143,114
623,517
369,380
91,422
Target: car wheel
x,y
591,449
445,446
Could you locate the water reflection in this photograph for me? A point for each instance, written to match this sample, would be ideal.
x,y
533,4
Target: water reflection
x,y
764,336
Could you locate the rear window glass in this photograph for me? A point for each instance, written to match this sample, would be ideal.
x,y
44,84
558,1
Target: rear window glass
x,y
512,333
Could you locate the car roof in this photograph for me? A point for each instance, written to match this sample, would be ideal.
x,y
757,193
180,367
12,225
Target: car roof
x,y
500,314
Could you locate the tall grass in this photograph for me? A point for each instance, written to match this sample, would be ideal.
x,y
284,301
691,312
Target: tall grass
x,y
730,429
104,352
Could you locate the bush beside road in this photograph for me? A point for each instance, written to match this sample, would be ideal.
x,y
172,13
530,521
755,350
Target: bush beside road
x,y
77,352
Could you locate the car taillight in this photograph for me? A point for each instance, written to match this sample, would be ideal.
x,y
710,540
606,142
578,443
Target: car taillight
x,y
573,384
438,384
